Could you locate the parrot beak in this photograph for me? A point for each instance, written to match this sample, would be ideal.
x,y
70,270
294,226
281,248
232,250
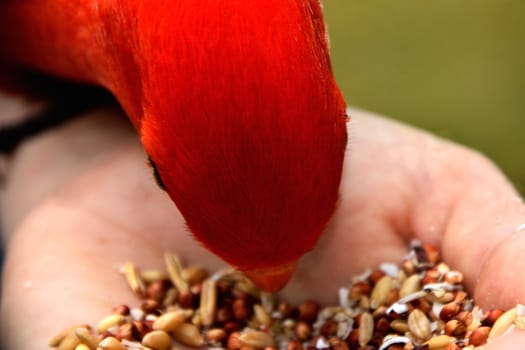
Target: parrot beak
x,y
271,279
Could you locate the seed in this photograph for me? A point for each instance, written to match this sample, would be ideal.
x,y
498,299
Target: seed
x,y
215,335
419,324
492,316
194,274
156,290
432,254
366,328
233,341
241,309
150,276
455,328
479,336
111,343
134,280
158,340
439,342
174,267
121,310
257,339
69,342
303,331
109,322
170,321
208,303
308,311
358,289
449,311
171,297
188,334
399,325
57,339
87,337
453,277
83,347
411,285
261,315
294,344
503,323
380,292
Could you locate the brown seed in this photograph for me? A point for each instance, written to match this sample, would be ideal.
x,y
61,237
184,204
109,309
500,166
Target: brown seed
x,y
419,324
411,285
110,321
303,331
337,343
308,311
121,309
156,291
432,254
479,336
174,268
257,339
168,322
503,323
465,317
215,335
439,342
449,311
126,331
188,334
381,291
455,328
140,329
294,344
241,309
375,276
158,340
208,303
492,316
150,306
366,328
232,326
329,328
382,325
111,343
133,278
87,337
358,289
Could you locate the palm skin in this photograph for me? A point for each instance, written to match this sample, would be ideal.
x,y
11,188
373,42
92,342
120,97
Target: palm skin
x,y
94,205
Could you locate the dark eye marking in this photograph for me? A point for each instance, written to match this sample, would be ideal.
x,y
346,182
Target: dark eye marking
x,y
156,174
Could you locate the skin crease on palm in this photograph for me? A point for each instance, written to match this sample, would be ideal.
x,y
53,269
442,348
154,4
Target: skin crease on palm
x,y
79,200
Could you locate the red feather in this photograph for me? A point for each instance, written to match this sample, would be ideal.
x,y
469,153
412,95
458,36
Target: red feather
x,y
235,102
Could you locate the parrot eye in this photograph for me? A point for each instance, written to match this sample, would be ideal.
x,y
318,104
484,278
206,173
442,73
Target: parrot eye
x,y
156,174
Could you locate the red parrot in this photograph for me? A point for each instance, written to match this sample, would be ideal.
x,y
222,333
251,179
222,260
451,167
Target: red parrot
x,y
235,103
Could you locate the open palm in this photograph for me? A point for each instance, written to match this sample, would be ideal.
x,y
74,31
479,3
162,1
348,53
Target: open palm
x,y
80,200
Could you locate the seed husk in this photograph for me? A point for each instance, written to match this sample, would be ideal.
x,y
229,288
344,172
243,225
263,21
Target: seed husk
x,y
111,343
188,334
174,267
381,291
439,342
503,323
110,321
208,303
158,340
366,328
87,337
419,324
411,285
135,282
261,316
168,322
257,339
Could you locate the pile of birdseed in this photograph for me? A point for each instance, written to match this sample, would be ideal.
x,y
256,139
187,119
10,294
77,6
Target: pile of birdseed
x,y
418,305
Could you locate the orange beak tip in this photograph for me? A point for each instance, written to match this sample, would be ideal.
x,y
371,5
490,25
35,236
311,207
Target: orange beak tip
x,y
271,279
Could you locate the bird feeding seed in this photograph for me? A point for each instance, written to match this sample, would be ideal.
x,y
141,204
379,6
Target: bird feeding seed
x,y
419,305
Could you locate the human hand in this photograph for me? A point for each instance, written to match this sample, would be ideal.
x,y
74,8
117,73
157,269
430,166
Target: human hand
x,y
79,201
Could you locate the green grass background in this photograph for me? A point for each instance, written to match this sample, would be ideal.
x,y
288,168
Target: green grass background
x,y
456,68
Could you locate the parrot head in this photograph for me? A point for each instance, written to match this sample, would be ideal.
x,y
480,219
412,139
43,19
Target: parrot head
x,y
244,125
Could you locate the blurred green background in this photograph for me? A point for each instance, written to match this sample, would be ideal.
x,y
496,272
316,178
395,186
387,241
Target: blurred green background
x,y
456,68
